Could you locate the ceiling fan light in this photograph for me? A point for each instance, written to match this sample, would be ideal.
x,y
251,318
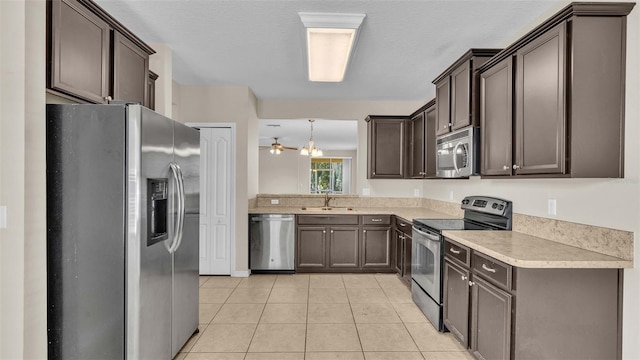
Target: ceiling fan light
x,y
272,150
278,151
304,151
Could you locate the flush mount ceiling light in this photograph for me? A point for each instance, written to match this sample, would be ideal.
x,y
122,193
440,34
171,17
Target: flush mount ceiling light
x,y
330,42
311,149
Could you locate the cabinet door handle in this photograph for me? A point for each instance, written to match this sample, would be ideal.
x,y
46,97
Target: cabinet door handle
x,y
401,237
463,277
402,224
324,231
485,267
471,283
516,167
453,250
505,167
364,231
108,98
332,231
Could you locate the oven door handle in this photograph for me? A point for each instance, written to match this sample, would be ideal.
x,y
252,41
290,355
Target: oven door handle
x,y
429,236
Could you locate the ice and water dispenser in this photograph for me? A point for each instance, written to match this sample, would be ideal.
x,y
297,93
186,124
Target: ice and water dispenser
x,y
157,203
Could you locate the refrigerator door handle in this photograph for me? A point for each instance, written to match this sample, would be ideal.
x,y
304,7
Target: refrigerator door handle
x,y
181,210
175,169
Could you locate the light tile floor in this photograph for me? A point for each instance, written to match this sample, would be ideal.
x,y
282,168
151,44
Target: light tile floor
x,y
314,317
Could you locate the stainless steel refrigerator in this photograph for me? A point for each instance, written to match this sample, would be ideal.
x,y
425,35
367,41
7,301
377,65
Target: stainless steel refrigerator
x,y
122,245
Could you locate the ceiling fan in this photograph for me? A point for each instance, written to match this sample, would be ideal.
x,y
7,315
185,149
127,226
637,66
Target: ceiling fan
x,y
277,148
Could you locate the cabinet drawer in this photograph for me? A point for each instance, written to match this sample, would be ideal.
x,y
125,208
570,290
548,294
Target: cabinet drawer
x,y
376,219
456,251
492,269
327,220
403,225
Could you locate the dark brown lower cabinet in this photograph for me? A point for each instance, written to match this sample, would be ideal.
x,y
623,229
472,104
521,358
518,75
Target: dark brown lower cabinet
x,y
398,254
311,247
498,311
402,249
343,243
456,301
376,247
344,248
490,321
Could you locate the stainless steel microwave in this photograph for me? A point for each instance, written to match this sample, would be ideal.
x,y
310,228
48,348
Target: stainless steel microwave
x,y
457,153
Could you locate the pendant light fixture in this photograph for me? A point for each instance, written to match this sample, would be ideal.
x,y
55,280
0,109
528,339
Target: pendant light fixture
x,y
311,149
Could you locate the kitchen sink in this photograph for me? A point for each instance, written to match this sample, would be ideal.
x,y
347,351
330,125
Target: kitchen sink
x,y
326,208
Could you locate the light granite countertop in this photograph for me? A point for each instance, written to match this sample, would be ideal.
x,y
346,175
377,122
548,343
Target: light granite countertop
x,y
528,251
408,213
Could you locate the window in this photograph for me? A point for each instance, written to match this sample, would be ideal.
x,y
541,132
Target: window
x,y
330,175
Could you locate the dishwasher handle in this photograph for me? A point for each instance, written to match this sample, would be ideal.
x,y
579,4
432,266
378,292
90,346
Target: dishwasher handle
x,y
260,219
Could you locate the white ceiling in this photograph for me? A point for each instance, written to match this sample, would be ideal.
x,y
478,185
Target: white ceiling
x,y
402,46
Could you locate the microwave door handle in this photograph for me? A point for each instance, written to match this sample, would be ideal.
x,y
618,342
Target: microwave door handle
x,y
455,158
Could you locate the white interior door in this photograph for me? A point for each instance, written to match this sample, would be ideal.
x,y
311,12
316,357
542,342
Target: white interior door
x,y
216,200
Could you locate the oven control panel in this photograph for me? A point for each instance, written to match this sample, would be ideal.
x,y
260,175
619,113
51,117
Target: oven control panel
x,y
487,204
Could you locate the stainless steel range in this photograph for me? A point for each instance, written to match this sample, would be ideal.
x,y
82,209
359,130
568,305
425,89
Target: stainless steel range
x,y
427,257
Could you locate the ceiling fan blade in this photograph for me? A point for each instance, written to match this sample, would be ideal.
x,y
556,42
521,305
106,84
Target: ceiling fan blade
x,y
289,148
264,147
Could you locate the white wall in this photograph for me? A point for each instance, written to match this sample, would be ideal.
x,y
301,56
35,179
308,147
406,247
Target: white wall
x,y
161,63
22,180
288,173
229,104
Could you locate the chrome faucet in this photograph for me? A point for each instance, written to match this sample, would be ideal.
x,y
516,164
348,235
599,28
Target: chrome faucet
x,y
327,198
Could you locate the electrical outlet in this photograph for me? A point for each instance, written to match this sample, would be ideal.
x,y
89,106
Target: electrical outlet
x,y
3,217
275,202
416,192
451,195
551,205
366,191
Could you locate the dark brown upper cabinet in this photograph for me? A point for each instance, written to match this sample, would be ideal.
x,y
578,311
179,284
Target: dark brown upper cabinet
x,y
151,90
559,92
386,137
130,71
421,133
496,118
80,52
92,57
457,102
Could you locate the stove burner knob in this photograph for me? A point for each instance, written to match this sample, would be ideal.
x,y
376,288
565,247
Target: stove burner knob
x,y
494,205
501,207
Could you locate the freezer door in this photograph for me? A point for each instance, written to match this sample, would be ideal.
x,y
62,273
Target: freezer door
x,y
86,231
186,256
150,144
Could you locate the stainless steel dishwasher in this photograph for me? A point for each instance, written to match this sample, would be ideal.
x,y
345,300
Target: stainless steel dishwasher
x,y
272,243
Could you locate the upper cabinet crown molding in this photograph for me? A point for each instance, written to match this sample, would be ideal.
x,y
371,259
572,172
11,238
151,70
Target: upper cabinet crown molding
x,y
464,59
573,9
117,25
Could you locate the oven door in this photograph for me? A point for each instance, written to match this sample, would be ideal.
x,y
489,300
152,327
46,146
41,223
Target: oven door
x,y
426,262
